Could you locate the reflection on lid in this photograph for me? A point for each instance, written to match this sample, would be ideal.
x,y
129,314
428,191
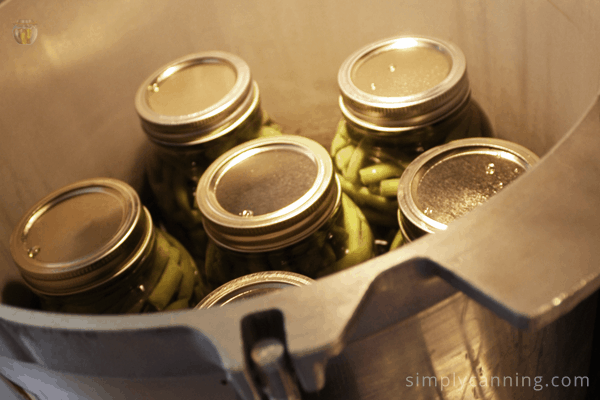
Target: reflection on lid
x,y
268,193
191,89
265,182
75,227
401,72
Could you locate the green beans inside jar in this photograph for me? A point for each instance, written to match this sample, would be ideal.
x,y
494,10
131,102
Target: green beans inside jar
x,y
193,110
449,181
399,98
91,248
276,204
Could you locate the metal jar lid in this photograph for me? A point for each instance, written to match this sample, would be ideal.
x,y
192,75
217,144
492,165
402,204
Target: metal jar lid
x,y
81,236
268,193
448,181
403,82
196,98
252,285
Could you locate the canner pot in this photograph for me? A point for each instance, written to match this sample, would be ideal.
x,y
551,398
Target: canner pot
x,y
501,305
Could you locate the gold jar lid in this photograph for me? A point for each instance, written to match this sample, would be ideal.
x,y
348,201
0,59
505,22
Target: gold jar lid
x,y
403,82
81,236
196,98
252,285
448,181
268,193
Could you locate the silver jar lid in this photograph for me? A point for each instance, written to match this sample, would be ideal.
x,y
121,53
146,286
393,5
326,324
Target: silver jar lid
x,y
252,285
403,82
448,181
196,98
268,193
81,236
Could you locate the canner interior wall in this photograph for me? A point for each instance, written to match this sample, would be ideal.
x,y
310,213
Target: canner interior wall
x,y
67,100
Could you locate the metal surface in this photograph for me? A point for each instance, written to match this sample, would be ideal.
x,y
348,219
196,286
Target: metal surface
x,y
278,383
439,97
212,90
268,193
450,180
81,236
252,285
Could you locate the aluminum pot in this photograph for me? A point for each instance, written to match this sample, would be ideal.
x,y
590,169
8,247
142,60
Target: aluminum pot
x,y
503,292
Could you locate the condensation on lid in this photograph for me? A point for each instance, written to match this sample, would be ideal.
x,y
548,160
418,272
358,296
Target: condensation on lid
x,y
456,185
450,180
75,227
191,89
266,181
401,71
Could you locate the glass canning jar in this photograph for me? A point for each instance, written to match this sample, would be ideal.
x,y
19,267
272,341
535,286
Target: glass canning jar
x,y
399,97
193,110
448,181
91,248
252,285
276,204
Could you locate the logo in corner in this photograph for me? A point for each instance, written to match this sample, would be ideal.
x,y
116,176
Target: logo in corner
x,y
25,31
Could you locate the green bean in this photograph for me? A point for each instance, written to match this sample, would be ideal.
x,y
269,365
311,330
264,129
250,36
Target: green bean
x,y
342,158
267,131
196,216
339,236
197,244
162,253
360,249
389,187
365,231
167,285
329,256
180,192
351,259
351,222
378,172
374,188
214,266
382,219
340,139
186,286
178,305
136,308
309,262
349,188
377,202
201,287
239,265
266,120
355,164
398,241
